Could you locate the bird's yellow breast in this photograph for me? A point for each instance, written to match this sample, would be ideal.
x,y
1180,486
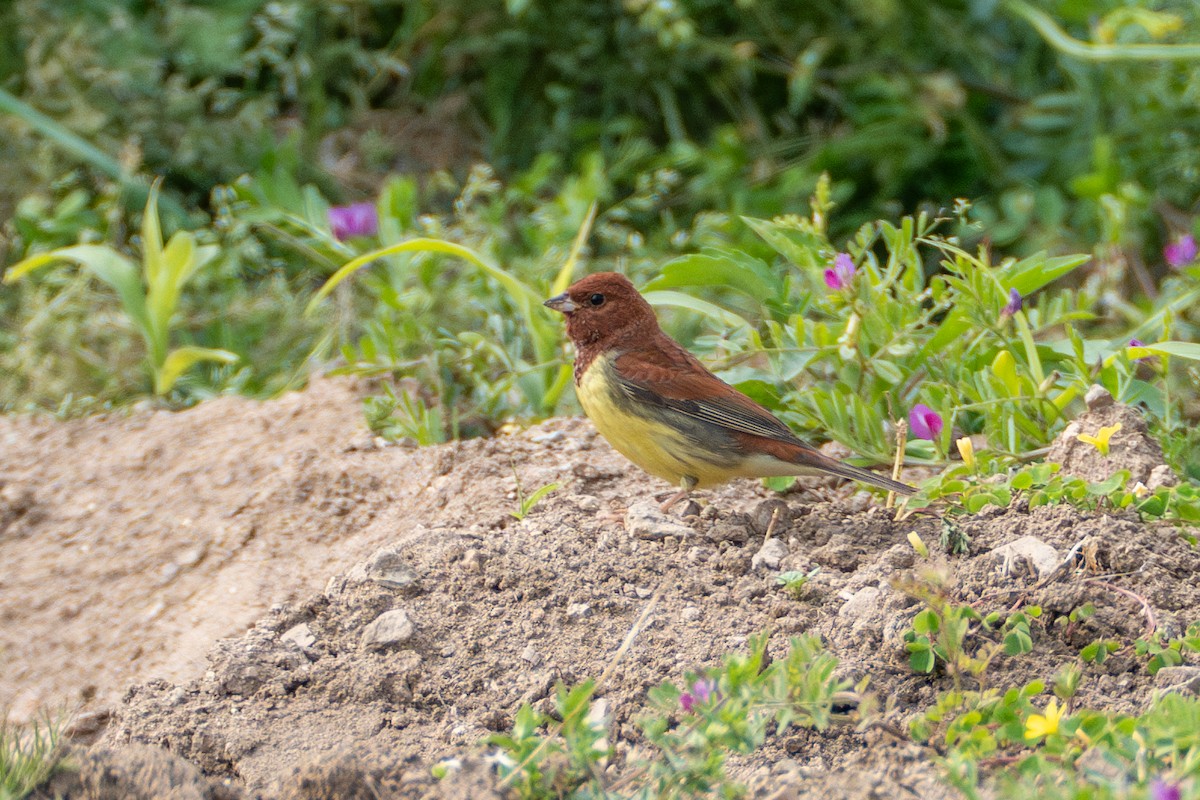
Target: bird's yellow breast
x,y
640,435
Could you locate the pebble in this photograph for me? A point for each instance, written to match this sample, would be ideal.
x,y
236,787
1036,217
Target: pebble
x,y
690,614
1097,397
532,656
1042,556
770,555
646,521
760,517
301,635
586,502
861,604
1160,476
579,611
385,567
1179,679
389,629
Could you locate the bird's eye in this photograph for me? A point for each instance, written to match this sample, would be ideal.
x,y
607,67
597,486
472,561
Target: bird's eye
x,y
597,299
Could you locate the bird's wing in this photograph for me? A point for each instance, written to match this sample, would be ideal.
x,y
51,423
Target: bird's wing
x,y
671,378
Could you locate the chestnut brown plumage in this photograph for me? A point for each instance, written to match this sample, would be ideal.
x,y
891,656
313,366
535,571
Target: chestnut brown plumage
x,y
664,411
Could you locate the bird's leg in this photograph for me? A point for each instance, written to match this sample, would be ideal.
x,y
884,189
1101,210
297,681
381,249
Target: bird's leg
x,y
686,484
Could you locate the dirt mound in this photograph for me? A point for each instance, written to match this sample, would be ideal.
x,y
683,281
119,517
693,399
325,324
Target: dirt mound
x,y
479,622
139,542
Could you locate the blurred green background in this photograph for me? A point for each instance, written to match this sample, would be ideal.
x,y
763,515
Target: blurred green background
x,y
1069,126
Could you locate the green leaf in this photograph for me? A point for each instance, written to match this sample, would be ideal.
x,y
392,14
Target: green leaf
x,y
728,269
152,244
726,319
563,279
1189,350
1017,642
106,264
921,661
182,359
1031,274
802,248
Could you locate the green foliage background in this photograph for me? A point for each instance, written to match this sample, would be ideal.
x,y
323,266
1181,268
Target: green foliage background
x,y
678,118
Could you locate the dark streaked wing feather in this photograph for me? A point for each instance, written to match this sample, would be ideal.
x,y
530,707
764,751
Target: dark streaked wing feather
x,y
720,411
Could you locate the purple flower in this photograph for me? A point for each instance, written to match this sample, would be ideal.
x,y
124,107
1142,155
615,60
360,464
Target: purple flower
x,y
1162,790
924,422
702,691
842,273
1140,343
358,219
1180,252
1014,304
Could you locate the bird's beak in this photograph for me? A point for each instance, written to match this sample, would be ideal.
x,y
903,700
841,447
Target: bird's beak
x,y
560,302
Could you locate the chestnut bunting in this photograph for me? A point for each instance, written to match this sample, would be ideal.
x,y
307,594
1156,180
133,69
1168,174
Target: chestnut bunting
x,y
664,411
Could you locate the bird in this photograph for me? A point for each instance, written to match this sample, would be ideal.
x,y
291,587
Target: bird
x,y
661,408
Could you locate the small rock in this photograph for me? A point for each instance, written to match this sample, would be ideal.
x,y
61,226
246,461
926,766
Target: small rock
x,y
1097,397
585,471
764,512
1042,556
862,603
385,567
728,531
579,611
301,635
1179,679
646,521
690,614
531,656
191,557
1161,476
769,556
586,502
390,629
474,560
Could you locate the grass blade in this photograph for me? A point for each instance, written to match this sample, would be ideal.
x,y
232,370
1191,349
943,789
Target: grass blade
x,y
181,360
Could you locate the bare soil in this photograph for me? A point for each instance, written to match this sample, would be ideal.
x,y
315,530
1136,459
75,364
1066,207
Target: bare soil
x,y
258,600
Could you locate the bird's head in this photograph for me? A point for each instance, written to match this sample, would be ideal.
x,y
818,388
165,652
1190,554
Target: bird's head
x,y
603,306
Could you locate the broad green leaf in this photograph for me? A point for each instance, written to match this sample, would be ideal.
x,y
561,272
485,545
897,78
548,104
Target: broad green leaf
x,y
1189,350
802,248
680,300
177,265
726,269
1004,367
182,359
106,264
1031,274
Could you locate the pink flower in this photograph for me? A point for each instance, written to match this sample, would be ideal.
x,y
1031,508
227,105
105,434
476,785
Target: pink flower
x,y
1180,252
1140,343
924,422
842,273
702,691
1014,304
1162,790
358,219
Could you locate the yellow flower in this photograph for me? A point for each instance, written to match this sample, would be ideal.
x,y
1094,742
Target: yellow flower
x,y
918,545
1100,440
1039,725
966,449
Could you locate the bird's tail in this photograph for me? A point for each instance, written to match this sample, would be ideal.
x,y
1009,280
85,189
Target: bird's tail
x,y
835,467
